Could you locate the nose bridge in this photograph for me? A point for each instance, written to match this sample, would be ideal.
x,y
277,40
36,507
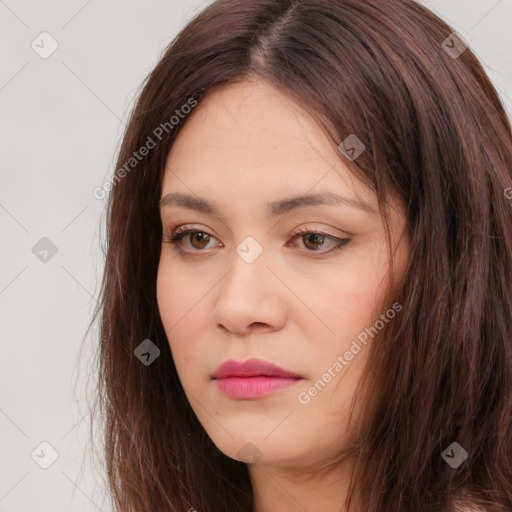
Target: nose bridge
x,y
246,294
248,271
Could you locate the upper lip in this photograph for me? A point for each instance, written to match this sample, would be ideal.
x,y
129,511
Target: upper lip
x,y
251,368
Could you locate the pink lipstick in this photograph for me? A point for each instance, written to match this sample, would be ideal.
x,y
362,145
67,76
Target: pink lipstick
x,y
252,379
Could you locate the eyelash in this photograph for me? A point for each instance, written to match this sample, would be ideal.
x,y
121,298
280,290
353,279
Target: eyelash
x,y
179,233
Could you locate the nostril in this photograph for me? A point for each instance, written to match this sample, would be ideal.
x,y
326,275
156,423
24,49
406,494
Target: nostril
x,y
258,324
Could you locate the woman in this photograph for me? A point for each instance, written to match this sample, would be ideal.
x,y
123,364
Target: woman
x,y
307,298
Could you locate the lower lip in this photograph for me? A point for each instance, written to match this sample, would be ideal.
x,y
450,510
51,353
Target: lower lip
x,y
253,387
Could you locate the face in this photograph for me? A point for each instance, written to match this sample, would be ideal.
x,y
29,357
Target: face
x,y
299,285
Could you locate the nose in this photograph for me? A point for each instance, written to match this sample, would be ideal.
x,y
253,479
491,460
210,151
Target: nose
x,y
250,298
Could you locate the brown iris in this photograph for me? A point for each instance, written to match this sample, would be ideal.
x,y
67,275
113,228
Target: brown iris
x,y
203,238
317,239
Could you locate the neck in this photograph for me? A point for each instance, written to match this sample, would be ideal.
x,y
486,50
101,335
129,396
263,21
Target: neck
x,y
296,489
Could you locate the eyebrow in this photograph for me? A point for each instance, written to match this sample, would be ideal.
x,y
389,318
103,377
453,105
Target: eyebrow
x,y
275,208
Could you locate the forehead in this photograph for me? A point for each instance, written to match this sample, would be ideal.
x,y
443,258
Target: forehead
x,y
251,136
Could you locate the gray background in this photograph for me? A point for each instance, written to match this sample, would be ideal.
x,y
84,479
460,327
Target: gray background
x,y
61,121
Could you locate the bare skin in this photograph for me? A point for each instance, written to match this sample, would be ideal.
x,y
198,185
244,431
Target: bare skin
x,y
300,304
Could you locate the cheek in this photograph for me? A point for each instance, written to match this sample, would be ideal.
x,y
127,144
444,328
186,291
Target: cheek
x,y
179,297
180,309
351,295
185,310
350,304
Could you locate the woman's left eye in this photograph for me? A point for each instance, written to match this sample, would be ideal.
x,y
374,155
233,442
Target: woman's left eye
x,y
318,237
314,240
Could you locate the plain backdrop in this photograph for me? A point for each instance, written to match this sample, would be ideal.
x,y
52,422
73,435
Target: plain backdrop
x,y
61,119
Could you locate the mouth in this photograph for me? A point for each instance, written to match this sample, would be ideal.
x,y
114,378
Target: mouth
x,y
252,379
253,387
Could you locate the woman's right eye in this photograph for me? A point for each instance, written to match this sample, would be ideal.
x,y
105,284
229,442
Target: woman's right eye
x,y
175,238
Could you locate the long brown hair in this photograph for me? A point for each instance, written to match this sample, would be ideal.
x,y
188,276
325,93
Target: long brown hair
x,y
436,137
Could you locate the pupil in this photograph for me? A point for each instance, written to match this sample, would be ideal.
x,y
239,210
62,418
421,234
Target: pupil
x,y
202,236
315,235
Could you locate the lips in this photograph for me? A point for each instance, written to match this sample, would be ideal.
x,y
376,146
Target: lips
x,y
253,379
251,368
